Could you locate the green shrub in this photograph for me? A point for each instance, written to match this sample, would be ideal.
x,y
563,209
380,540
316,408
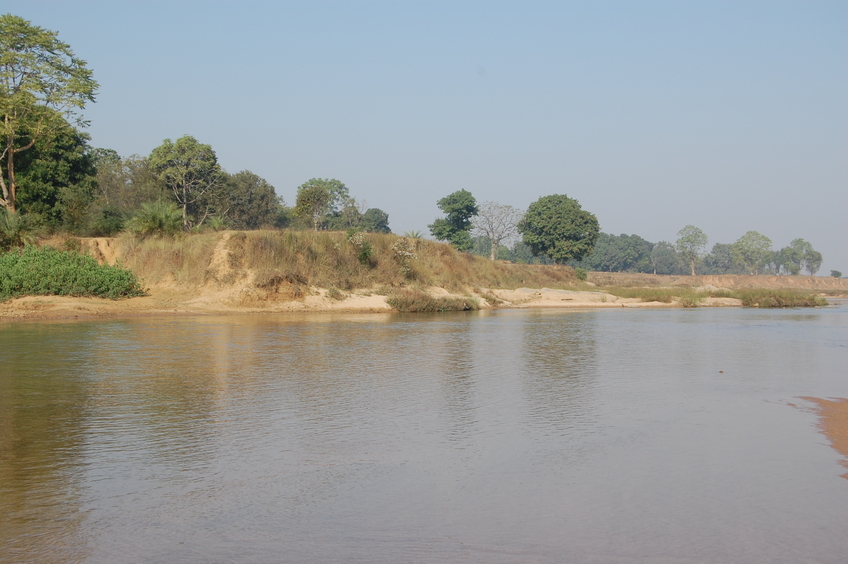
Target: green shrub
x,y
15,230
779,298
581,273
156,218
45,271
408,300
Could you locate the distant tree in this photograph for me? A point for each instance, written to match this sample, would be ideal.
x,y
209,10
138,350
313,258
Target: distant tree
x,y
42,83
690,245
619,253
720,260
190,169
320,197
498,223
375,220
812,261
836,273
558,227
455,228
751,251
664,259
251,202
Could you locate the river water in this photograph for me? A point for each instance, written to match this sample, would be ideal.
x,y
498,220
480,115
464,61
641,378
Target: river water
x,y
502,436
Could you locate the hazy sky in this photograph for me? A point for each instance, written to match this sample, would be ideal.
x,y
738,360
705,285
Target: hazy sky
x,y
732,116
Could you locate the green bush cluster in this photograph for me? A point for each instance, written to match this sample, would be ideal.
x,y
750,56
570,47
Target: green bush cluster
x,y
45,271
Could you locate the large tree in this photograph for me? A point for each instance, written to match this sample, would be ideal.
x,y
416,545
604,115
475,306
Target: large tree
x,y
320,197
498,223
455,227
251,201
42,84
690,245
190,169
619,253
558,227
752,251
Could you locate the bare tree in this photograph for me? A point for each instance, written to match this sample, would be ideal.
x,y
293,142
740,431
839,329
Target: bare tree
x,y
497,222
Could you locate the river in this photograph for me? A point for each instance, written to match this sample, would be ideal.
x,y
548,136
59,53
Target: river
x,y
632,435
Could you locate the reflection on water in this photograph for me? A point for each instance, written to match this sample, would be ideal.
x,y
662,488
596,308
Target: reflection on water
x,y
545,436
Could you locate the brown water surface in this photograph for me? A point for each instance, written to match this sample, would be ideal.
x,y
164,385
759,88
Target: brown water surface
x,y
505,436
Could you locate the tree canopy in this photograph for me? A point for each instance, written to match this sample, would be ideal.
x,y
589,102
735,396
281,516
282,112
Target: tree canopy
x,y
558,227
752,251
190,169
42,83
455,227
690,245
496,222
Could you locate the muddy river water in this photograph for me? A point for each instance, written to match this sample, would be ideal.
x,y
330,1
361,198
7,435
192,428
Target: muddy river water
x,y
501,436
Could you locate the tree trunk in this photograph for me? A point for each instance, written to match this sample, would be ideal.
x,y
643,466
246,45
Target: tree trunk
x,y
692,264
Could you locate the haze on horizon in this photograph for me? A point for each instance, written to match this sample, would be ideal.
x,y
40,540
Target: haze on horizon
x,y
730,116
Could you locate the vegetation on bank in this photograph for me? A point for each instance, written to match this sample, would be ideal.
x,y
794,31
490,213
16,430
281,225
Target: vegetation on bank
x,y
417,301
45,271
692,297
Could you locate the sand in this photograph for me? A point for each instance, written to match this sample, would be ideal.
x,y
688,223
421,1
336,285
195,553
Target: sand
x,y
833,423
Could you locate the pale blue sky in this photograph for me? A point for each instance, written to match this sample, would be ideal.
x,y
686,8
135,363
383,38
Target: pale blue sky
x,y
732,116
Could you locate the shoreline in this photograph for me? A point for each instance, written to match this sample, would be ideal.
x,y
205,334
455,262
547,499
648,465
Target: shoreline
x,y
833,424
208,301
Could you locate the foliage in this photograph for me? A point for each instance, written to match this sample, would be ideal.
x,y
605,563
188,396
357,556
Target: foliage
x,y
361,245
690,245
720,260
558,227
619,253
190,169
57,179
496,222
319,197
15,230
42,83
413,234
416,301
812,261
664,259
455,227
779,298
43,271
250,201
836,273
404,254
156,218
751,251
581,273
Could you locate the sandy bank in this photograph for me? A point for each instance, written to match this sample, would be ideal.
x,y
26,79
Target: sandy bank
x,y
834,424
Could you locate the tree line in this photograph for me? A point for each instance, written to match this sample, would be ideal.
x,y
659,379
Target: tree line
x,y
52,179
555,229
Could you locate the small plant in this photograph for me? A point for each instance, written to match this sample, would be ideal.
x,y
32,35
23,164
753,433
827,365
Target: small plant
x,y
15,230
404,254
335,294
413,234
156,218
216,223
581,273
363,247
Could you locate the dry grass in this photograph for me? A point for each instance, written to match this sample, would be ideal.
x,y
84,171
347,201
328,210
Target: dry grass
x,y
411,300
327,259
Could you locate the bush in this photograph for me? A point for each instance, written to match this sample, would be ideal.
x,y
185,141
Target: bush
x,y
45,271
416,301
15,230
581,273
156,218
779,298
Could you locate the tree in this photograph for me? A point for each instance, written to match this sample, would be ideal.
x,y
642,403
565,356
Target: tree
x,y
752,250
251,201
57,178
190,169
558,227
720,260
319,197
498,223
690,245
812,261
455,228
836,273
619,253
375,220
664,259
41,84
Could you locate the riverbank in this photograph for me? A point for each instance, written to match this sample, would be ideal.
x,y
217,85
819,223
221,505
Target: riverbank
x,y
272,271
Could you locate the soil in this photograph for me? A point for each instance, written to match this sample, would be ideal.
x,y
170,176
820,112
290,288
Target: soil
x,y
833,424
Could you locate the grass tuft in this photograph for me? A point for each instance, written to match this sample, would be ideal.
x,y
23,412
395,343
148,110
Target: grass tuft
x,y
409,300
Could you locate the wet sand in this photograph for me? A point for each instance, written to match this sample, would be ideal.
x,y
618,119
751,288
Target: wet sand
x,y
833,423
